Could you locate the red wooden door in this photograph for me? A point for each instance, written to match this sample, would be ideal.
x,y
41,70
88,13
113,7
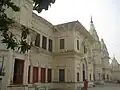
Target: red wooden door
x,y
18,71
43,75
35,74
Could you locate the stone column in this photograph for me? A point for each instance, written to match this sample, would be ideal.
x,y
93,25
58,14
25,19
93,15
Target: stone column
x,y
41,41
47,43
25,75
9,71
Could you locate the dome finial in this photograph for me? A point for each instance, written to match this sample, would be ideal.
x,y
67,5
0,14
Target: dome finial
x,y
113,56
91,20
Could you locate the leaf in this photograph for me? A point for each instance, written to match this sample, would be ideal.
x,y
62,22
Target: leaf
x,y
8,37
25,32
39,5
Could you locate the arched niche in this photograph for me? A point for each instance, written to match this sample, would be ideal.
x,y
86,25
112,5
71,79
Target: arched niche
x,y
97,45
84,69
86,48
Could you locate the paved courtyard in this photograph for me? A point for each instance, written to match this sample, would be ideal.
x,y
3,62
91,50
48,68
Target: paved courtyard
x,y
106,87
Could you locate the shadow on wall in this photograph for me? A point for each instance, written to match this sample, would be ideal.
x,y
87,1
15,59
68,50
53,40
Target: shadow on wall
x,y
118,81
0,83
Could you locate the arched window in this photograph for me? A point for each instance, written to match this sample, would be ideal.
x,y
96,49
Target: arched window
x,y
78,76
99,75
83,65
85,49
107,77
94,76
90,77
103,76
37,40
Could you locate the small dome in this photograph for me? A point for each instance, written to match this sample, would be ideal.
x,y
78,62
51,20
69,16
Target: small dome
x,y
114,62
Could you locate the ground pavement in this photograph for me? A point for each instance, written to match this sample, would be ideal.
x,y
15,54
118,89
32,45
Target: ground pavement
x,y
106,87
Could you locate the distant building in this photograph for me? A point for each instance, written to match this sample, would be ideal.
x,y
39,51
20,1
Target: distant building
x,y
62,56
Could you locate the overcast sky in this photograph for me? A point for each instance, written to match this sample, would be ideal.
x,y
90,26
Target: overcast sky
x,y
105,13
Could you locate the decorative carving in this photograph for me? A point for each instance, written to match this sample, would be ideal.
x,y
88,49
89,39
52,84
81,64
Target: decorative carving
x,y
77,33
26,6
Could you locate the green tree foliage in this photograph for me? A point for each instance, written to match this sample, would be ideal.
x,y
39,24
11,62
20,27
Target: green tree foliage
x,y
39,5
8,37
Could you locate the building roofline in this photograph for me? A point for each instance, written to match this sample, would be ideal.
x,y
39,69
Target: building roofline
x,y
42,20
66,23
87,33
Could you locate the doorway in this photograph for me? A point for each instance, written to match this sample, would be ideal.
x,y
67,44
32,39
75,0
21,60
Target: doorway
x,y
43,75
83,71
18,71
61,75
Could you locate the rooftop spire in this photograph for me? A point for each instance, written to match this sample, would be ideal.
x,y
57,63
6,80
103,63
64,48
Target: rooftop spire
x,y
114,61
114,56
91,20
93,31
104,48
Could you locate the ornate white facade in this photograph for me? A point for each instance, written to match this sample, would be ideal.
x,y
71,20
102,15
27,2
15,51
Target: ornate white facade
x,y
62,56
115,66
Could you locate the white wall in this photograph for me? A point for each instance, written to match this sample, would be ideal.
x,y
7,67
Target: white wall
x,y
67,36
116,75
67,63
